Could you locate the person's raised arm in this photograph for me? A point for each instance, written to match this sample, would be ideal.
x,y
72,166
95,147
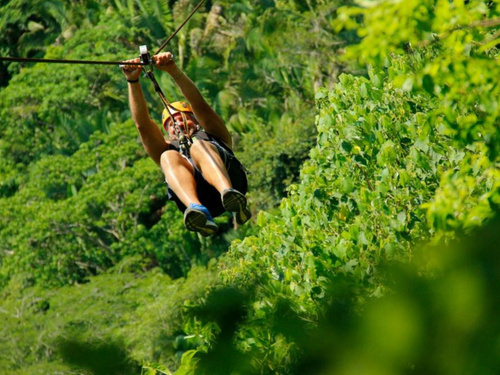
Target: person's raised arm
x,y
152,139
207,117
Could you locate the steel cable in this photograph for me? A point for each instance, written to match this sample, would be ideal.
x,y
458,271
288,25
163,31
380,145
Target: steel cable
x,y
60,61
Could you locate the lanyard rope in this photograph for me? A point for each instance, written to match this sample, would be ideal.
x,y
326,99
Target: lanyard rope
x,y
185,140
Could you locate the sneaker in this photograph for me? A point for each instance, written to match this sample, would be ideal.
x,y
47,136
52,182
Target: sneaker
x,y
236,203
197,218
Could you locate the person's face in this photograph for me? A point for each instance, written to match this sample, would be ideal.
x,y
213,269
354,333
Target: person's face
x,y
191,125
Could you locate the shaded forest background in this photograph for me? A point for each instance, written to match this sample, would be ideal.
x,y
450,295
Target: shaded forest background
x,y
372,134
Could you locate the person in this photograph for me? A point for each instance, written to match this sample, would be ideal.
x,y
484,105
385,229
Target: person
x,y
208,180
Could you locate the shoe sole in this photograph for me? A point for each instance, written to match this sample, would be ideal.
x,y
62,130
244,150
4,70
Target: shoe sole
x,y
235,202
196,221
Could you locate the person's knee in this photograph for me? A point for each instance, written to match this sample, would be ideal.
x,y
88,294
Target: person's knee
x,y
171,158
201,149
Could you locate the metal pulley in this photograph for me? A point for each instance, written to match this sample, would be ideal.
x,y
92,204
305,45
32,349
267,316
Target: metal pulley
x,y
145,57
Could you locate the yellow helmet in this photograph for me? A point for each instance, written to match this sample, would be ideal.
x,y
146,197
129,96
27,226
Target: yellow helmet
x,y
174,108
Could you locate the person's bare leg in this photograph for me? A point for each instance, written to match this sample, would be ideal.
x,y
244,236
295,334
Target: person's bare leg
x,y
180,177
207,159
179,174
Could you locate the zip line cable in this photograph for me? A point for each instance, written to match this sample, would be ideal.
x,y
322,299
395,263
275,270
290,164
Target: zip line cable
x,y
59,61
180,27
88,62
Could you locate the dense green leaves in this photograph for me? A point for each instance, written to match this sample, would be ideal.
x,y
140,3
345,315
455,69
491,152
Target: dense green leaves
x,y
142,312
401,158
93,209
404,152
454,43
440,316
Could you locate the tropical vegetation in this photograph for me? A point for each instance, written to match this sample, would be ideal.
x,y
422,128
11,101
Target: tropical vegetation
x,y
371,133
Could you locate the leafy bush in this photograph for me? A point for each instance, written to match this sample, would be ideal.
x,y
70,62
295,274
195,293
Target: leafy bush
x,y
92,209
399,161
439,317
407,154
142,312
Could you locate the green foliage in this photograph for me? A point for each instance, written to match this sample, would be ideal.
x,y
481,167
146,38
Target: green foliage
x,y
42,116
116,197
406,153
264,72
359,203
29,28
452,57
98,359
396,164
26,29
439,317
458,41
143,313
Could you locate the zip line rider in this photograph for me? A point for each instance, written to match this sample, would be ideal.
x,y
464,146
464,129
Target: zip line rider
x,y
209,180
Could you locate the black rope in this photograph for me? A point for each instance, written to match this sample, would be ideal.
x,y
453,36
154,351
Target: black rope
x,y
58,61
180,27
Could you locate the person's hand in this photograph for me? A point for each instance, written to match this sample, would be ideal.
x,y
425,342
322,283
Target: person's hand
x,y
165,61
132,72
